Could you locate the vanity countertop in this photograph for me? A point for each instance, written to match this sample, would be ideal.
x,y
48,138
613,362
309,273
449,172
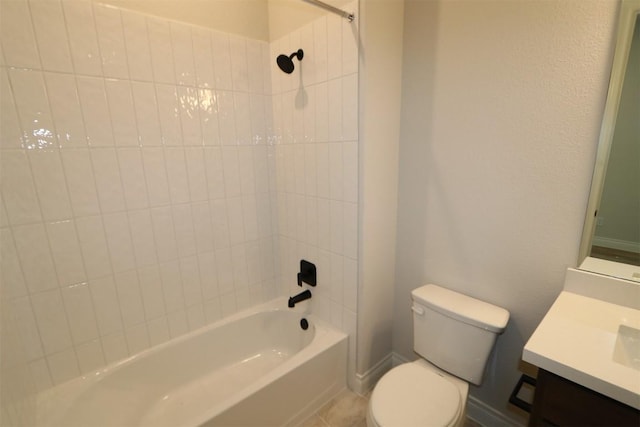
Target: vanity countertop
x,y
590,341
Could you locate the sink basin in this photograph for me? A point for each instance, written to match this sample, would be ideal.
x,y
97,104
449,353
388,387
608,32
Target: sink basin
x,y
627,347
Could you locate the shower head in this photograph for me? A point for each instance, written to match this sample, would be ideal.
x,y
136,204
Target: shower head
x,y
286,62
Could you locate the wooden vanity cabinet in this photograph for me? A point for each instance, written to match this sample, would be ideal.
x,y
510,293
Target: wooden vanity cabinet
x,y
560,402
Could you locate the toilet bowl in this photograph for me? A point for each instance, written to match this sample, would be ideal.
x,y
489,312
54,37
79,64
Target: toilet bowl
x,y
418,394
454,335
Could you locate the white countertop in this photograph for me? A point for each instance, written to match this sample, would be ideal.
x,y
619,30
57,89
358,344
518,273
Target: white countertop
x,y
577,340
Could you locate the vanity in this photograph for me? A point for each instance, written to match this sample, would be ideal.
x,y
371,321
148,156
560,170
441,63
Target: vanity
x,y
587,346
587,349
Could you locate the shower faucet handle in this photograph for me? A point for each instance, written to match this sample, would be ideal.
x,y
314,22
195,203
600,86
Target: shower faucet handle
x,y
307,273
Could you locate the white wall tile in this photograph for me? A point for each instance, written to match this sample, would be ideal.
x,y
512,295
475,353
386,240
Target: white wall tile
x,y
350,107
63,366
322,112
177,175
156,176
242,112
107,310
257,105
214,172
13,283
190,280
183,54
203,58
158,331
228,304
137,338
66,111
350,43
239,67
350,284
225,270
221,60
79,308
161,51
209,117
52,322
137,45
169,113
195,316
172,286
133,180
90,356
18,40
116,228
208,275
108,182
189,107
334,46
28,329
35,257
178,324
111,41
123,116
10,132
49,25
33,108
115,347
165,238
95,110
246,170
130,299
82,187
254,66
151,289
144,246
212,310
219,223
185,234
51,186
93,243
202,222
66,252
324,224
335,103
18,189
336,174
83,38
231,168
146,106
226,118
337,226
235,217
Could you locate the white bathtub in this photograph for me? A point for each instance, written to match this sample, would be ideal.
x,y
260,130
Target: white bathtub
x,y
258,367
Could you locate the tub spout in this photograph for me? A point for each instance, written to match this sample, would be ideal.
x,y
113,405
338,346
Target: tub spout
x,y
300,297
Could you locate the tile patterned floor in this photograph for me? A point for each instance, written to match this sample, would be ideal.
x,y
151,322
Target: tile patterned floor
x,y
348,409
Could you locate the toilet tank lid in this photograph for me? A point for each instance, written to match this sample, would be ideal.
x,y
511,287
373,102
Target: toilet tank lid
x,y
462,307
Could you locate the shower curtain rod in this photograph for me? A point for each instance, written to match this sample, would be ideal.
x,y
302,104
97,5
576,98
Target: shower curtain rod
x,y
346,15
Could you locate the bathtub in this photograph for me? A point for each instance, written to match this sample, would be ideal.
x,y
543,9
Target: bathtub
x,y
256,368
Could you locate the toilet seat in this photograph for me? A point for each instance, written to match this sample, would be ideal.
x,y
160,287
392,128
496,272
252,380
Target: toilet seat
x,y
410,395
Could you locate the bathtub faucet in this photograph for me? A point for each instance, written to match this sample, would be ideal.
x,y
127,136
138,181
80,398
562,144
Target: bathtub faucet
x,y
300,297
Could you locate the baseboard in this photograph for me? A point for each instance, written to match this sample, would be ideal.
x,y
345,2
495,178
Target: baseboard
x,y
622,245
365,382
485,415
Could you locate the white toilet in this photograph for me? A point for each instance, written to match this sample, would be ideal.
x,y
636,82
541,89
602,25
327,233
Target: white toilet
x,y
455,334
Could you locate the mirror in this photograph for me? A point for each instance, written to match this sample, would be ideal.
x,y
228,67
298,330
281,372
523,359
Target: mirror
x,y
611,235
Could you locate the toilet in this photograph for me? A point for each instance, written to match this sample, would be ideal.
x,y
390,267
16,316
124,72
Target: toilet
x,y
454,334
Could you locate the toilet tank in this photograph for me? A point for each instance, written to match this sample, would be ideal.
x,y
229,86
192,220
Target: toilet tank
x,y
455,332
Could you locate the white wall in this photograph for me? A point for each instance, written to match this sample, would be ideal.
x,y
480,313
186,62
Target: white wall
x,y
246,18
380,80
502,104
286,16
136,181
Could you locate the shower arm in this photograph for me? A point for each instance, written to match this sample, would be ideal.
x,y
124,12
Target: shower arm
x,y
349,16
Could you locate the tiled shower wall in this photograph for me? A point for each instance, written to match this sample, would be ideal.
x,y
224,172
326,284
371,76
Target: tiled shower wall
x,y
137,180
315,113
